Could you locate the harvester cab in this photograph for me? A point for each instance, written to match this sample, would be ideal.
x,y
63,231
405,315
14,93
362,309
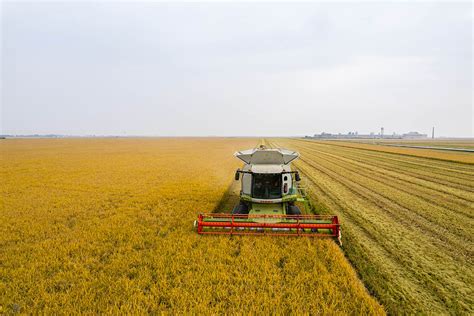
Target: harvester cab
x,y
268,185
269,198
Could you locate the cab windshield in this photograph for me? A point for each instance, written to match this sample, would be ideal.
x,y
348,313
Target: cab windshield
x,y
266,186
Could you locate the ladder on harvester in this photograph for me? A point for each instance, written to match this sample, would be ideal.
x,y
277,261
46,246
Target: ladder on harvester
x,y
302,191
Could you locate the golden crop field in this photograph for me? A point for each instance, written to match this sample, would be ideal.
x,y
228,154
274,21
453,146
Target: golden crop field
x,y
407,219
105,226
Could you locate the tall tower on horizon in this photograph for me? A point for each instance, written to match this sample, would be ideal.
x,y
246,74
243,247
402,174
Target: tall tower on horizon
x,y
432,133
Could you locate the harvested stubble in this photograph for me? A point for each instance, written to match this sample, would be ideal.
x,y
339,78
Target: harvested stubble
x,y
447,143
105,225
407,221
431,154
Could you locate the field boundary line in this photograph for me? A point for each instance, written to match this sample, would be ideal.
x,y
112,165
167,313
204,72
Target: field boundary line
x,y
430,147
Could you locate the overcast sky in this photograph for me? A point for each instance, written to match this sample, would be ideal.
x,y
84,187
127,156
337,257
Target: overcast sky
x,y
236,69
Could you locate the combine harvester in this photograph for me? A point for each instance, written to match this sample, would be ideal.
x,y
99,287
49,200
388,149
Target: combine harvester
x,y
268,196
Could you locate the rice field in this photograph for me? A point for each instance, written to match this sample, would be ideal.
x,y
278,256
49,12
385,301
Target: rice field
x,y
105,226
407,219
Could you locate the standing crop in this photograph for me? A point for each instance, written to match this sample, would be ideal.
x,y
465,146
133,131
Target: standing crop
x,y
105,226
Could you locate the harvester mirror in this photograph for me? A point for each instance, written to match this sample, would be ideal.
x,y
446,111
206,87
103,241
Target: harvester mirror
x,y
297,176
237,175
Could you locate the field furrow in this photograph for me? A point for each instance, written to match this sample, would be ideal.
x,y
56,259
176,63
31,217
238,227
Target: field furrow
x,y
401,213
430,192
406,228
454,170
436,157
454,209
457,167
448,177
383,275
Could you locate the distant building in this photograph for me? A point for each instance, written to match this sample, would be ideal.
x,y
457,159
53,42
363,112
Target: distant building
x,y
353,135
414,135
356,135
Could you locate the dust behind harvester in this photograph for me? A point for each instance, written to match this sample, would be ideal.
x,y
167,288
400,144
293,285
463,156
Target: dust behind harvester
x,y
269,198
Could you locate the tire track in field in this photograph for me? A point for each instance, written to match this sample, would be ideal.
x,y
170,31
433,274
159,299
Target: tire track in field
x,y
419,181
415,162
442,223
426,174
414,248
386,203
452,168
448,285
430,187
433,160
446,216
435,199
368,239
460,207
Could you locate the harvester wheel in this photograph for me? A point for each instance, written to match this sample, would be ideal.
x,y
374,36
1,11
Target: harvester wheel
x,y
293,210
240,209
